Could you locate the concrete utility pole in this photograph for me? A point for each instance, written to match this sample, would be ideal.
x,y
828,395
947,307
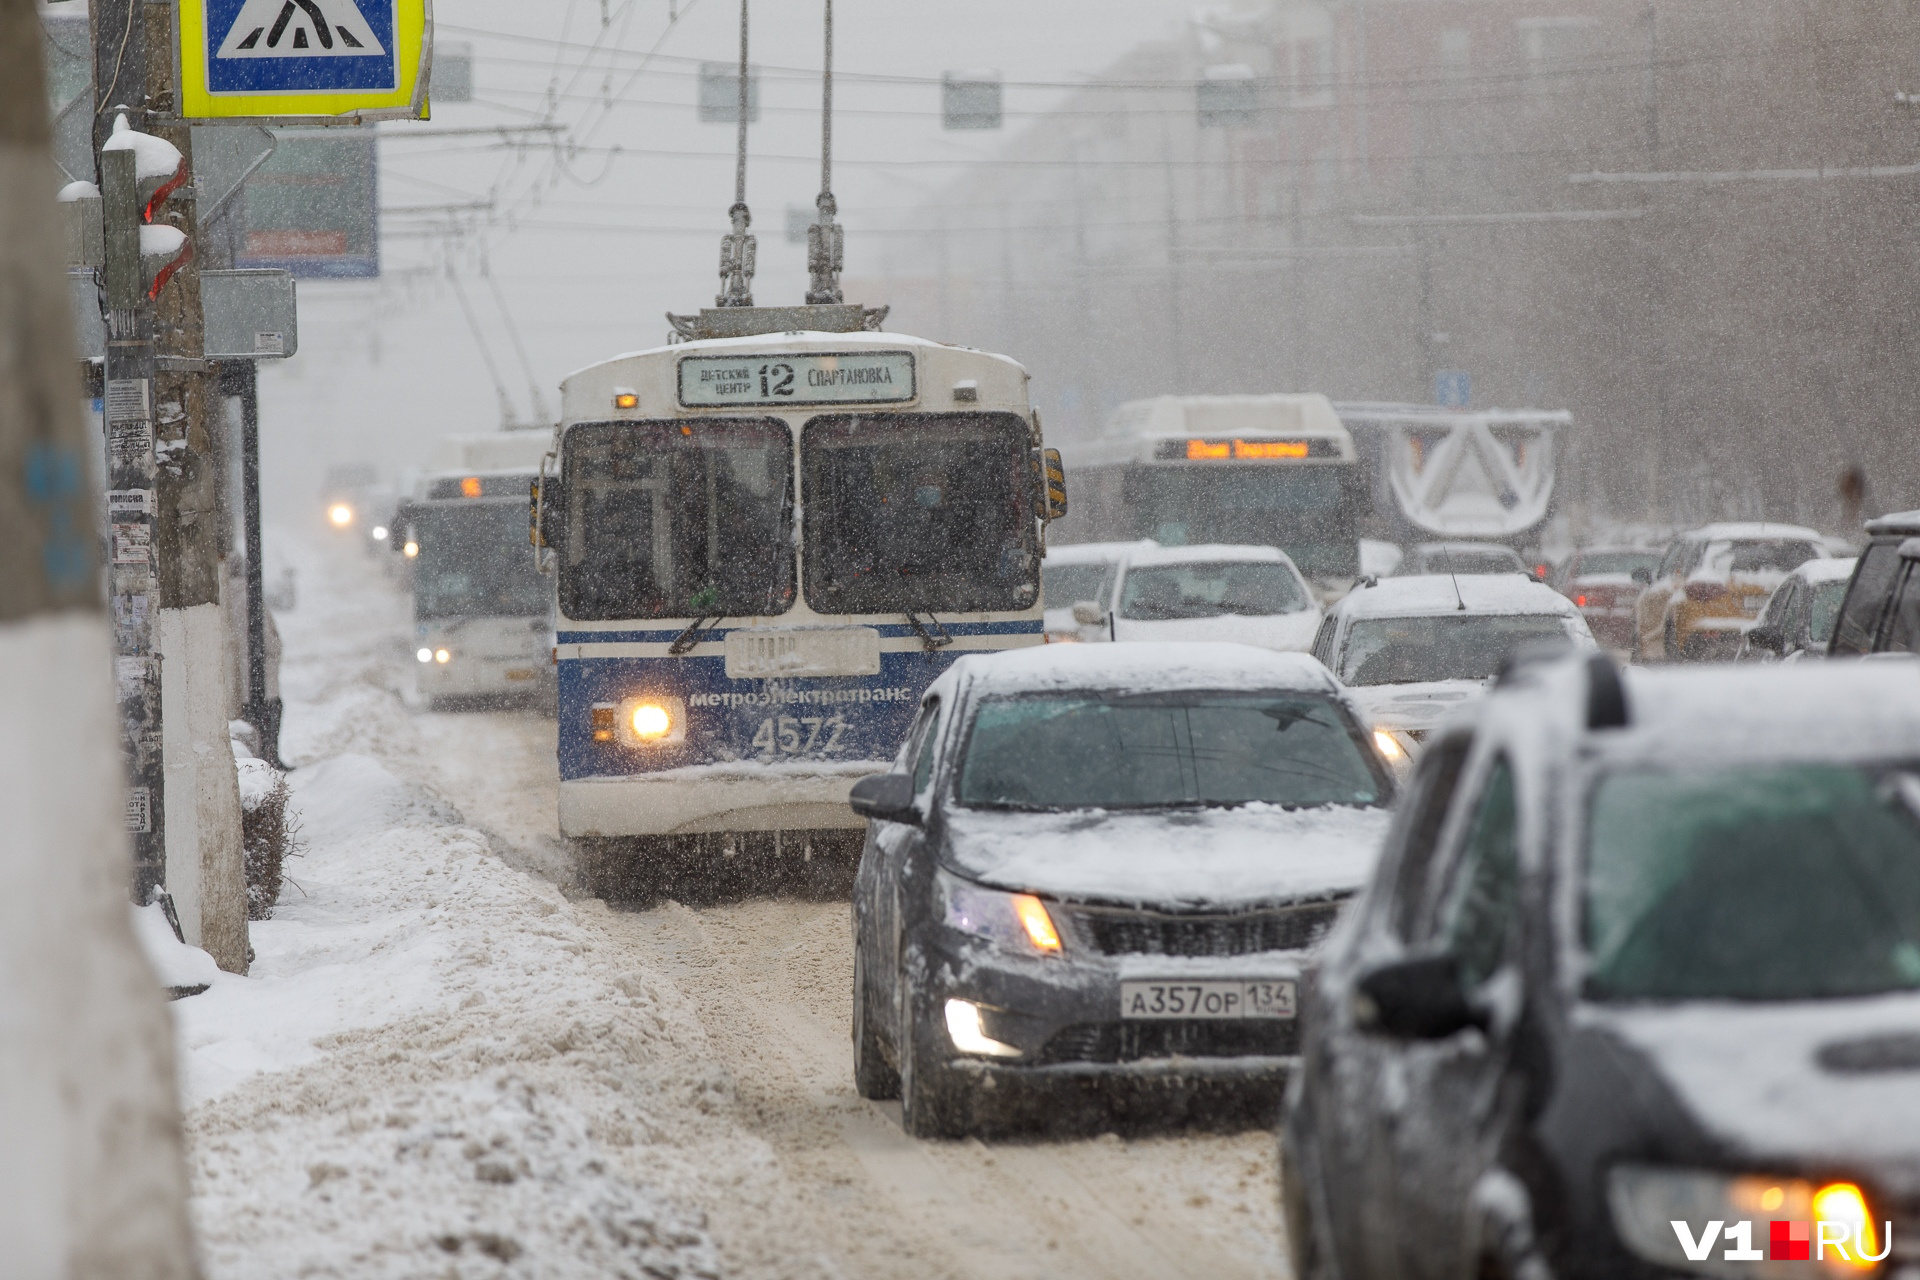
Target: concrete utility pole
x,y
206,874
93,1184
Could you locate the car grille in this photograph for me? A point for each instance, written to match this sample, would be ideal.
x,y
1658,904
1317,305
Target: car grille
x,y
1149,933
1145,1041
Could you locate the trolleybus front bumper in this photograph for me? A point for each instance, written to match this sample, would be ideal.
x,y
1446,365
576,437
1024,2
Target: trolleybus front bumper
x,y
737,797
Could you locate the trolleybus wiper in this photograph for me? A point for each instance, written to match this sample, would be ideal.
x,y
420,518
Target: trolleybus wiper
x,y
690,637
928,638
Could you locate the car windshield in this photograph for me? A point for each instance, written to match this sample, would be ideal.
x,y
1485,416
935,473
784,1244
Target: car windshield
x,y
1771,555
1209,589
1594,563
1442,647
924,512
1775,882
1069,584
1469,560
677,520
1826,608
1107,751
474,561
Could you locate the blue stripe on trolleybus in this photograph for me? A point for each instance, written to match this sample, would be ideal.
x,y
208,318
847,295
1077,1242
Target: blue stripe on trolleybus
x,y
791,721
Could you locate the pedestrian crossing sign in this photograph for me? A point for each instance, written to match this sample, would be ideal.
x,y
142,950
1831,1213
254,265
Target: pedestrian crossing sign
x,y
289,61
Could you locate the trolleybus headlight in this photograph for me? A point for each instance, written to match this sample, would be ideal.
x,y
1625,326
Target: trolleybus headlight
x,y
442,657
425,655
341,514
650,721
645,720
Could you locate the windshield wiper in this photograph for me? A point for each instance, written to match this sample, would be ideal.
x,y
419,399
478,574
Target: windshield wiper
x,y
690,637
928,638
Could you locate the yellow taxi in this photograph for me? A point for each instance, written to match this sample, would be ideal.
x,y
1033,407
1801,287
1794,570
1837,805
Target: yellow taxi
x,y
1711,585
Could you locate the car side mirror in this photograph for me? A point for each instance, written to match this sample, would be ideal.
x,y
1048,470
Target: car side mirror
x,y
885,797
1643,576
1768,637
1089,613
1415,999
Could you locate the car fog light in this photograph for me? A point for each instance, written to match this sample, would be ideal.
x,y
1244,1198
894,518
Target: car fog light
x,y
1695,1221
969,1036
1846,1204
442,656
1390,750
650,721
425,655
341,514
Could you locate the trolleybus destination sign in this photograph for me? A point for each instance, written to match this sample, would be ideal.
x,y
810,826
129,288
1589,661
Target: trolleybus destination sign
x,y
850,377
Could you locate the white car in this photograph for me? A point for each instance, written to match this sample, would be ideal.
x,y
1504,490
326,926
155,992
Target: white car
x,y
1078,573
1413,649
1247,595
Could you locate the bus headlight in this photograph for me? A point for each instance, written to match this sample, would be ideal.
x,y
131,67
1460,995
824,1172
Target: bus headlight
x,y
425,655
442,656
341,514
645,720
411,550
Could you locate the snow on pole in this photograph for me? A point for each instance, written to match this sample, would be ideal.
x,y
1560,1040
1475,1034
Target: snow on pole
x,y
93,1183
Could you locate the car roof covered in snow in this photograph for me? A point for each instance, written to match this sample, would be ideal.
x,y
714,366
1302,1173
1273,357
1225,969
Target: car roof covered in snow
x,y
1137,667
1431,593
1905,523
1201,553
1499,548
1743,531
1836,570
1092,552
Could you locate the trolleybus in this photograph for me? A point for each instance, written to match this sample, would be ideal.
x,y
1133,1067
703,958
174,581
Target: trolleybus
x,y
766,547
482,613
1270,469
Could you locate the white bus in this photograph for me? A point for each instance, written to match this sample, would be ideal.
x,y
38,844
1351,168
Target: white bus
x,y
1277,470
766,547
482,612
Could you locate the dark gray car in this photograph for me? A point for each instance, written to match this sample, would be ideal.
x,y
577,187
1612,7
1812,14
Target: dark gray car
x,y
1634,991
1098,862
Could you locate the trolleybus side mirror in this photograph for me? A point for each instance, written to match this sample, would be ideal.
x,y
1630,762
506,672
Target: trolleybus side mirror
x,y
1050,485
547,510
1090,613
887,797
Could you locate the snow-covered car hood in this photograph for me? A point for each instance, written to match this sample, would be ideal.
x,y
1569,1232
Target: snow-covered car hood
x,y
1256,853
1828,1082
1413,706
1284,631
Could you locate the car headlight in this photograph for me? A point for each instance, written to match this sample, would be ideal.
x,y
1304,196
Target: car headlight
x,y
1017,921
340,514
1708,1223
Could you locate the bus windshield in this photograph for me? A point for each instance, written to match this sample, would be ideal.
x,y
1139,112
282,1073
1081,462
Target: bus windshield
x,y
474,562
919,512
1305,510
678,519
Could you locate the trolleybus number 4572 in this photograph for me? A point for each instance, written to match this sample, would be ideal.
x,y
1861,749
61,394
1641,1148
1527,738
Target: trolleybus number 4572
x,y
783,734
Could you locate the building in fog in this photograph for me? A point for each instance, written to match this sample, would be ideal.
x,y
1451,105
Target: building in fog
x,y
1691,222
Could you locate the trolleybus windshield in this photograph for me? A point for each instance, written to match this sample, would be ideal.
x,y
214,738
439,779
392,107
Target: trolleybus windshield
x,y
1306,510
680,519
473,563
918,512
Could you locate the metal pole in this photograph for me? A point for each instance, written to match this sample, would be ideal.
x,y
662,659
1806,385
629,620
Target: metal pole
x,y
825,240
132,481
263,714
737,247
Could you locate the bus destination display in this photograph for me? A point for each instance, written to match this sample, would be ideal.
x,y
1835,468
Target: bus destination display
x,y
863,377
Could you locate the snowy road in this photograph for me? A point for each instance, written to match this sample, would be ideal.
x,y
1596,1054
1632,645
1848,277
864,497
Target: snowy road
x,y
702,1082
